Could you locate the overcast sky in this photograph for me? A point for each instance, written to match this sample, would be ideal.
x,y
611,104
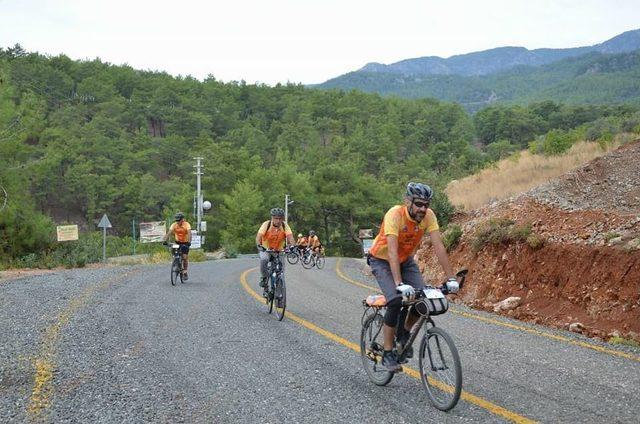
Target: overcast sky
x,y
306,41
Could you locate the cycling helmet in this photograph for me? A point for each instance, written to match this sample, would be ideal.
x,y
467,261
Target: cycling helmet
x,y
419,191
277,212
312,233
299,235
179,216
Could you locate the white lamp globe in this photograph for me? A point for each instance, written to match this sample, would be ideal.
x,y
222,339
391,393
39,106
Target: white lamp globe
x,y
206,205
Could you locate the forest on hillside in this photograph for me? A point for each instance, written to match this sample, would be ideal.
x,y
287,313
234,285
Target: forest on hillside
x,y
593,78
83,138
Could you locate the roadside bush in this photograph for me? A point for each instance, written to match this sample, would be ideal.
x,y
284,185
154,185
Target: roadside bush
x,y
502,231
451,237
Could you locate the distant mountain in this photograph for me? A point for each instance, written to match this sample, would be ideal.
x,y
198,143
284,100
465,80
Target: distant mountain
x,y
591,78
501,58
595,74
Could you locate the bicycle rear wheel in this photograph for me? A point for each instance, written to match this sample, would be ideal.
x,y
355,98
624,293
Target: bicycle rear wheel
x,y
320,262
293,258
280,298
440,369
175,271
371,348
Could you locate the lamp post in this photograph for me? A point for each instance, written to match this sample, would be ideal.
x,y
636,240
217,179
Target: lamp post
x,y
287,202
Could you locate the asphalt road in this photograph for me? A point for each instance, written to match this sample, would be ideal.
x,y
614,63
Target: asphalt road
x,y
120,344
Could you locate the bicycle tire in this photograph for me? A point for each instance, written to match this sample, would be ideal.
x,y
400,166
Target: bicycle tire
x,y
320,262
441,369
280,296
269,298
293,258
175,271
308,262
371,360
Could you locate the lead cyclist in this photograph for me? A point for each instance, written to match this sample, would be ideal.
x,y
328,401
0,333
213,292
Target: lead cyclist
x,y
392,263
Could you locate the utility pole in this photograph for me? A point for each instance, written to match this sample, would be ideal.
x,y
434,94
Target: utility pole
x,y
287,202
198,173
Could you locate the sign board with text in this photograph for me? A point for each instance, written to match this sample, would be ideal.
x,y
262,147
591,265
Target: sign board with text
x,y
152,231
196,240
67,232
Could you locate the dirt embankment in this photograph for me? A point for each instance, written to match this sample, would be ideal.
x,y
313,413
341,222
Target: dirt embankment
x,y
585,274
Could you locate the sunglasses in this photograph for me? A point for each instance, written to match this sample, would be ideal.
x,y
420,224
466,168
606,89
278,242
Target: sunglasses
x,y
421,204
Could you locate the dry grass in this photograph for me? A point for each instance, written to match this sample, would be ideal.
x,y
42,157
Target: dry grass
x,y
519,173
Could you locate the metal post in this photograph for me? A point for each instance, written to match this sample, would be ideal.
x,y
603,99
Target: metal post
x,y
133,232
286,208
104,244
198,173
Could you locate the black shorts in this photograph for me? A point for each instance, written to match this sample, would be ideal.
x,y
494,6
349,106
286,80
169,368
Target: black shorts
x,y
184,248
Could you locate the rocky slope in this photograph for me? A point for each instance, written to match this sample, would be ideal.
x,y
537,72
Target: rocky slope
x,y
579,268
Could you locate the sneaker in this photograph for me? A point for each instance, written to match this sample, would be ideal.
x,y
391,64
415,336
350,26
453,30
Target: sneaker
x,y
390,362
185,276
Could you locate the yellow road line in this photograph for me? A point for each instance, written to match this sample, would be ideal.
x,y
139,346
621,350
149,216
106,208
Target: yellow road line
x,y
468,397
44,363
509,325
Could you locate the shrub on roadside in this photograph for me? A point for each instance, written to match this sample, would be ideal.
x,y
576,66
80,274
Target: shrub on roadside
x,y
451,236
503,231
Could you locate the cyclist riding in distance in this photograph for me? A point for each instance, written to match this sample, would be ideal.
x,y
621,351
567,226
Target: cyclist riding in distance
x,y
301,243
314,241
273,234
392,263
181,231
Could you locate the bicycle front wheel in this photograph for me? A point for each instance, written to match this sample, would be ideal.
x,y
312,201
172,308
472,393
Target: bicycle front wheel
x,y
440,369
308,261
320,262
280,297
175,271
270,296
371,348
292,258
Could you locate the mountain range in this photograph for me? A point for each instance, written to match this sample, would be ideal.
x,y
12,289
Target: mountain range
x,y
606,72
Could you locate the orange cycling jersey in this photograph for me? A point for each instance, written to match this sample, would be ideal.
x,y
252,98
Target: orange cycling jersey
x,y
409,232
181,231
302,241
274,237
314,241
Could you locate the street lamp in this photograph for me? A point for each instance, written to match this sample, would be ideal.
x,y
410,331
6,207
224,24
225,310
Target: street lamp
x,y
287,202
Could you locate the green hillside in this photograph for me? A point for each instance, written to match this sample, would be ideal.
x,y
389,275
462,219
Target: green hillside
x,y
593,78
83,138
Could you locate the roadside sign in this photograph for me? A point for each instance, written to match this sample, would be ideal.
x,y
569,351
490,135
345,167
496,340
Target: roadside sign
x,y
196,240
366,245
67,232
104,222
152,231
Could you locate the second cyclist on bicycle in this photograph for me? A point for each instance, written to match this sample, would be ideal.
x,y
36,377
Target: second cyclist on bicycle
x,y
273,234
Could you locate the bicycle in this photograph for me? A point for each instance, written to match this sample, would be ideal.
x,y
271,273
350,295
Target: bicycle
x,y
319,260
307,259
276,288
176,264
438,358
294,255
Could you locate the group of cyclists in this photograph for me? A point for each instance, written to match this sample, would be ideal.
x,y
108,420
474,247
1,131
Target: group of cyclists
x,y
391,257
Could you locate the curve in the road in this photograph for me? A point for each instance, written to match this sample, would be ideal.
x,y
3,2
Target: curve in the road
x,y
476,400
506,324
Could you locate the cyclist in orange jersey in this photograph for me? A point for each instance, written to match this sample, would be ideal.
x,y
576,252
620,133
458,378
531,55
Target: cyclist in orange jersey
x,y
392,263
181,231
273,234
